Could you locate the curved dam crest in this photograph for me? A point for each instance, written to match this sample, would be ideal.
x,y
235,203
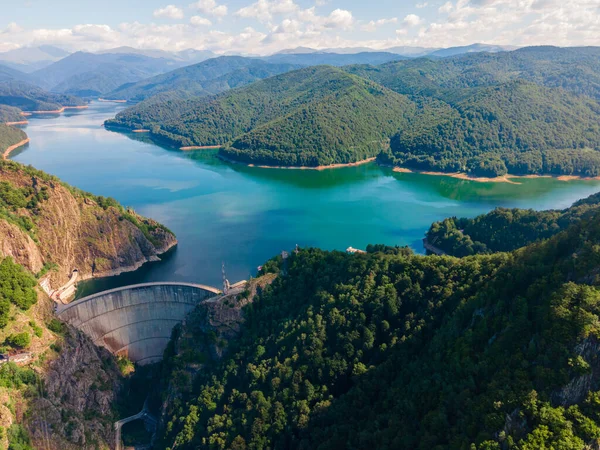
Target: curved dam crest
x,y
135,321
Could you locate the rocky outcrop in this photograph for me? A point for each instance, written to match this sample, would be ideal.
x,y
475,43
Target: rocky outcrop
x,y
80,387
20,246
579,386
74,230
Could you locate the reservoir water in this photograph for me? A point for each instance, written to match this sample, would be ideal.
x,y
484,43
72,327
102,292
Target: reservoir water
x,y
241,215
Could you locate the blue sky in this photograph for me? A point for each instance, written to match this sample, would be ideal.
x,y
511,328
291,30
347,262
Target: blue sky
x,y
264,26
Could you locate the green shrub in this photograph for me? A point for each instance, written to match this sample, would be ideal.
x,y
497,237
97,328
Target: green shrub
x,y
37,330
56,326
19,340
18,438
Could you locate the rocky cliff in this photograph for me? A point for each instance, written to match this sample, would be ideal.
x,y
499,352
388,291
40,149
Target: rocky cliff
x,y
45,223
80,387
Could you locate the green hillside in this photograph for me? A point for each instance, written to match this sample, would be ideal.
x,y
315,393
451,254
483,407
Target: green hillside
x,y
28,97
506,229
576,69
516,127
10,136
398,351
206,78
315,116
10,114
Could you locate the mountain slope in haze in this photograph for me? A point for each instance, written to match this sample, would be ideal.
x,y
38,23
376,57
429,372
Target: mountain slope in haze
x,y
189,56
309,117
389,350
30,59
333,59
516,127
473,48
89,75
206,78
10,74
28,97
506,229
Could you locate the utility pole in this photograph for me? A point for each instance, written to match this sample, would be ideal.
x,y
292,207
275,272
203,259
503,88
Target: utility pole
x,y
225,280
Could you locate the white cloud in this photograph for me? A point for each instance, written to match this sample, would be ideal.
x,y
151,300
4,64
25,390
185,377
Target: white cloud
x,y
504,22
200,21
339,18
210,7
412,20
445,8
264,10
373,25
421,5
169,12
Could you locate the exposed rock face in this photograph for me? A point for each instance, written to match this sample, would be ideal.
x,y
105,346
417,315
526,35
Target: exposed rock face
x,y
74,232
18,244
79,388
577,389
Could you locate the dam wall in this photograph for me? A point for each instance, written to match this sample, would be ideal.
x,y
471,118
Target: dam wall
x,y
135,321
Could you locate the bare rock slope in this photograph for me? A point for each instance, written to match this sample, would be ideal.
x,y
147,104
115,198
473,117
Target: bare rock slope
x,y
45,223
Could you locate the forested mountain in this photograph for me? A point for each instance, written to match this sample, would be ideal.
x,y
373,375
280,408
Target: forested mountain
x,y
576,69
309,117
28,97
333,59
506,229
473,48
516,127
206,78
529,111
390,350
10,114
9,136
188,56
90,75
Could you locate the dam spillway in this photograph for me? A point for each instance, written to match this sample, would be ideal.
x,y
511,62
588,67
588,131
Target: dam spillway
x,y
135,321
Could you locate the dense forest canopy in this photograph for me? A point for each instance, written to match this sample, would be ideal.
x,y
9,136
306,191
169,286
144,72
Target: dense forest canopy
x,y
391,350
315,116
10,114
504,229
28,97
516,127
530,111
575,69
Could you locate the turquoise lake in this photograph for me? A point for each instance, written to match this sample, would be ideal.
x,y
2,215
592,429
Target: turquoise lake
x,y
241,215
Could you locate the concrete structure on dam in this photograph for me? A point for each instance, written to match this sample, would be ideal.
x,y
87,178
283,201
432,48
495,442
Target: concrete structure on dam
x,y
135,321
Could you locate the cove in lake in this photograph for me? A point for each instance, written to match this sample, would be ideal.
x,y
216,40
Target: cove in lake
x,y
242,215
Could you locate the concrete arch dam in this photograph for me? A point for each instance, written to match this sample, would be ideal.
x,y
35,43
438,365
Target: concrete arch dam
x,y
135,321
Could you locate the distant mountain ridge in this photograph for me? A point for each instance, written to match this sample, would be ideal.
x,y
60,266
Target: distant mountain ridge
x,y
89,74
206,78
30,59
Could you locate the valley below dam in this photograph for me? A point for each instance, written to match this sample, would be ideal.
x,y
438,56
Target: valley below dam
x,y
241,216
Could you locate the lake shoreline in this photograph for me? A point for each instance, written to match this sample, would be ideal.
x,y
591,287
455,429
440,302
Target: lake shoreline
x,y
508,178
331,166
10,149
55,111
